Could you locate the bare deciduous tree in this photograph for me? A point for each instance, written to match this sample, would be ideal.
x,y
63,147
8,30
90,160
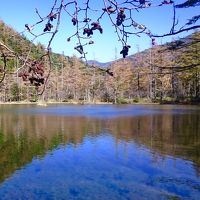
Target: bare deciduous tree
x,y
120,14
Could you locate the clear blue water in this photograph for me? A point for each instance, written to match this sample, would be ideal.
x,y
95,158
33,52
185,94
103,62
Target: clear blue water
x,y
109,111
99,152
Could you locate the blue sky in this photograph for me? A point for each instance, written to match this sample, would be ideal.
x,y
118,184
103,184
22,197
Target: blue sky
x,y
16,13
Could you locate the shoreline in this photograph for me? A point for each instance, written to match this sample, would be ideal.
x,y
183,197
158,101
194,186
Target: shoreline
x,y
50,103
45,103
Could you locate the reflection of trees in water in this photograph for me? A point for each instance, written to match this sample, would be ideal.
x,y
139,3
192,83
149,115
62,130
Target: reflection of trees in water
x,y
23,137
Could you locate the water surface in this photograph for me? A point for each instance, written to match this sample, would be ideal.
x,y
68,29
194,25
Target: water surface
x,y
99,152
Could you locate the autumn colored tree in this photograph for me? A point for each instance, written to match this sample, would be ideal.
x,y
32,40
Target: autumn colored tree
x,y
34,64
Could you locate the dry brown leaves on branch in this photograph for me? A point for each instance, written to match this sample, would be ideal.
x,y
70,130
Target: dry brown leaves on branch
x,y
120,14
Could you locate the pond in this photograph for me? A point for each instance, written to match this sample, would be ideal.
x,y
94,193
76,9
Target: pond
x,y
99,152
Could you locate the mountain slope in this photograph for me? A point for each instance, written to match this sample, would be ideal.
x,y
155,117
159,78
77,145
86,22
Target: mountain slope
x,y
99,64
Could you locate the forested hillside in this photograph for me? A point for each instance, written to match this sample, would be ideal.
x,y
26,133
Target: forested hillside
x,y
169,72
163,73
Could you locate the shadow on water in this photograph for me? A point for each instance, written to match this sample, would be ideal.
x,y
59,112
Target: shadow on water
x,y
139,146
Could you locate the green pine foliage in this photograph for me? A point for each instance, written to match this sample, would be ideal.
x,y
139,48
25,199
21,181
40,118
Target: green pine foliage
x,y
164,73
189,3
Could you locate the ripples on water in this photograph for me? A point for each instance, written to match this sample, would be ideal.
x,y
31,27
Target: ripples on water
x,y
100,152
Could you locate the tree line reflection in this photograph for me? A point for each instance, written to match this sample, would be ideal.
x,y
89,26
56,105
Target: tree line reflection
x,y
24,136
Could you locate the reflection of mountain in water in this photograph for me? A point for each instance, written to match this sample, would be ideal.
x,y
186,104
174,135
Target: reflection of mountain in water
x,y
23,137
